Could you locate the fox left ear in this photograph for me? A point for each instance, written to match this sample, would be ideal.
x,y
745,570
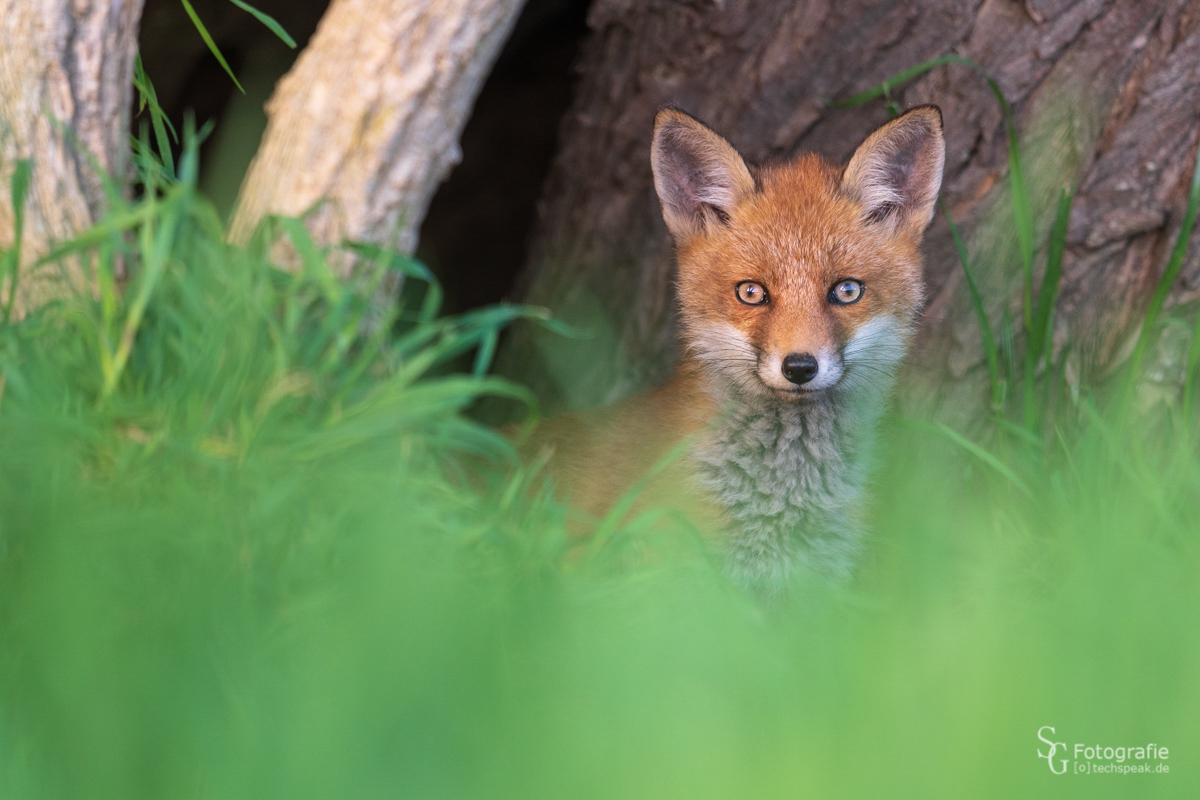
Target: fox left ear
x,y
897,172
699,177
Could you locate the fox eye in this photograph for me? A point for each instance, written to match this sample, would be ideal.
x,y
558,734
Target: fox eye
x,y
846,292
751,293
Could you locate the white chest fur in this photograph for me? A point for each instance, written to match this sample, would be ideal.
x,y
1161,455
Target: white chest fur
x,y
792,477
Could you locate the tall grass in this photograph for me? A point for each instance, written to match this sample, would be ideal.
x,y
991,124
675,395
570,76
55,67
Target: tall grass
x,y
250,546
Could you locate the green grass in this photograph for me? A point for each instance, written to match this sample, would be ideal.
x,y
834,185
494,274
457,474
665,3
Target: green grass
x,y
265,19
252,547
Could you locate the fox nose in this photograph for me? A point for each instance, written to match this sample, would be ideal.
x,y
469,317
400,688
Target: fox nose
x,y
799,368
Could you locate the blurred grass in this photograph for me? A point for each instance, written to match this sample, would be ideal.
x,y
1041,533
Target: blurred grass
x,y
250,546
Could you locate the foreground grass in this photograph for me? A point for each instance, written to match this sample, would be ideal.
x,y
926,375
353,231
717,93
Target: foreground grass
x,y
251,547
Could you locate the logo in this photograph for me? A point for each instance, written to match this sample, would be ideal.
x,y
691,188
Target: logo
x,y
1095,759
1053,747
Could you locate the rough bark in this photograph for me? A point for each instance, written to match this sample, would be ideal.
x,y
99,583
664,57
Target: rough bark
x,y
66,83
1105,97
367,122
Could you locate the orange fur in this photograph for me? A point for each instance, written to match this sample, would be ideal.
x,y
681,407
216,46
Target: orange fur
x,y
598,454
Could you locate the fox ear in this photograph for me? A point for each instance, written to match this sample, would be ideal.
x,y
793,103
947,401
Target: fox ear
x,y
699,177
897,172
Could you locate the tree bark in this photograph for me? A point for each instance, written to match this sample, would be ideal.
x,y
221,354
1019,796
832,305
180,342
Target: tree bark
x,y
66,83
1105,97
368,120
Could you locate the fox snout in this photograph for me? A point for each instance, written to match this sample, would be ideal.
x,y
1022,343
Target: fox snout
x,y
801,371
797,372
800,368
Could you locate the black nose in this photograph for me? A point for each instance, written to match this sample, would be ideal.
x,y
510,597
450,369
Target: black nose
x,y
799,368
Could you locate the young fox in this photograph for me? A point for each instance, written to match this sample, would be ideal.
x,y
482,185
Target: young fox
x,y
799,286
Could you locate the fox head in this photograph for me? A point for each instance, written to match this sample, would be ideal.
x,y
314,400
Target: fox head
x,y
799,278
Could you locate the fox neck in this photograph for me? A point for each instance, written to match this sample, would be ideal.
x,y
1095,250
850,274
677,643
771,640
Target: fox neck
x,y
791,476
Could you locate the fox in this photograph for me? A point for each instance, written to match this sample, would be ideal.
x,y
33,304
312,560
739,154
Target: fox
x,y
799,287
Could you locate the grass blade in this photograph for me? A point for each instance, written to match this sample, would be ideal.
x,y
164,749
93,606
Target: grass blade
x,y
11,263
985,328
408,268
487,351
1044,312
983,455
612,520
99,233
267,20
882,89
1023,220
1037,320
148,98
212,46
156,247
1170,273
1178,252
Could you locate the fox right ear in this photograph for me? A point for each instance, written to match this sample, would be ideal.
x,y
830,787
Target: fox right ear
x,y
698,175
897,172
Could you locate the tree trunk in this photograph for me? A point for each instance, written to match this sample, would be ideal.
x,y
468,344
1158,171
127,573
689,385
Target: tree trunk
x,y
66,83
367,122
1105,97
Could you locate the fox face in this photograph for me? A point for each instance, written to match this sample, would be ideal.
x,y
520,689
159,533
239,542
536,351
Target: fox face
x,y
800,279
